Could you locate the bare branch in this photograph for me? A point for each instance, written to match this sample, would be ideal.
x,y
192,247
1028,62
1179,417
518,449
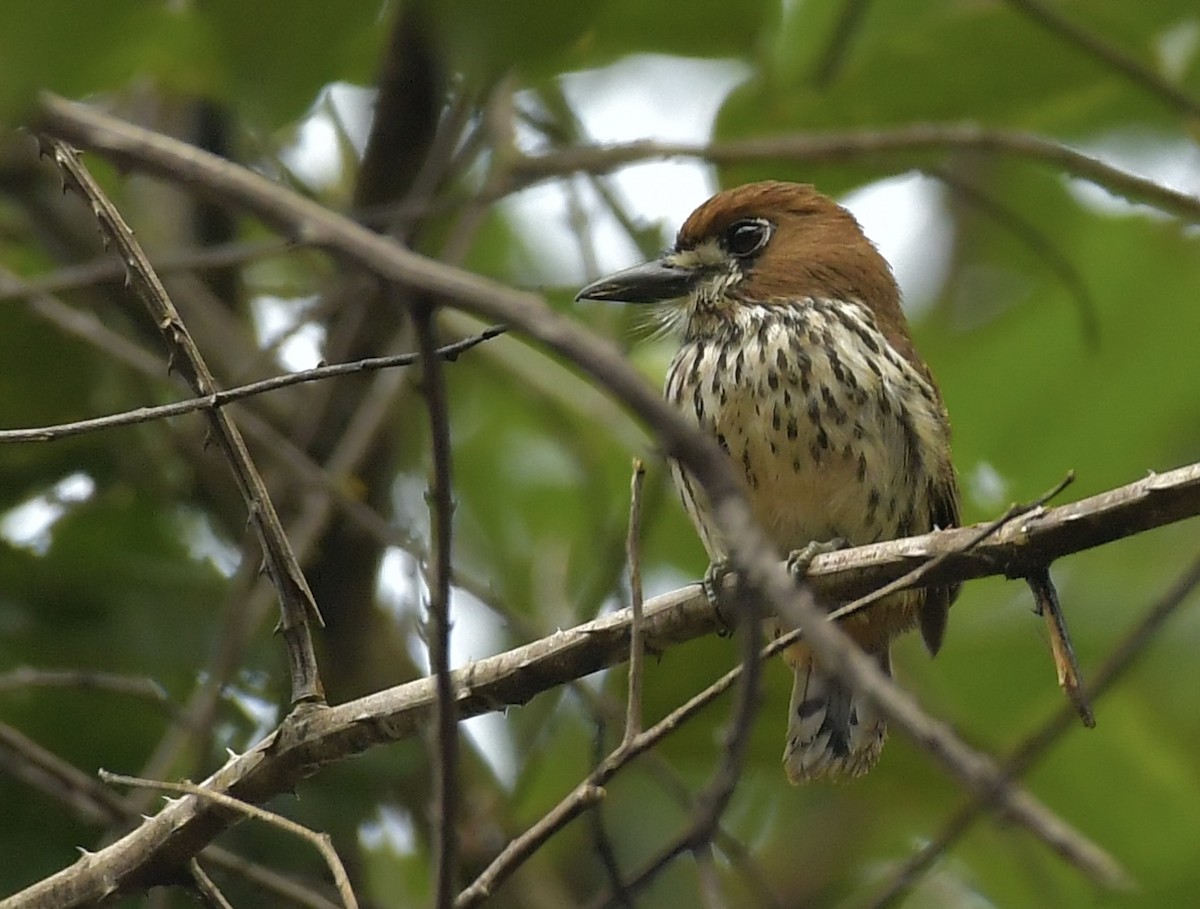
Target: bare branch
x,y
321,841
210,894
870,145
520,848
449,352
24,759
86,680
975,770
913,578
296,601
633,713
1040,741
1111,56
445,812
303,743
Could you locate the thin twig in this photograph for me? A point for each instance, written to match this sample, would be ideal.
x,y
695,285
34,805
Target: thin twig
x,y
633,715
868,145
602,842
1070,679
1111,56
522,847
389,260
1034,746
297,606
514,677
709,880
668,779
574,803
321,841
913,578
104,270
833,56
23,759
206,888
713,800
449,352
86,680
1042,245
975,770
433,384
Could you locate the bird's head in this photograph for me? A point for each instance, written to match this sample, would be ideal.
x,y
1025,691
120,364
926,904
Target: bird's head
x,y
764,243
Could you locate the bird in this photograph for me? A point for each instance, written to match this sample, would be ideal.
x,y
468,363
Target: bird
x,y
796,357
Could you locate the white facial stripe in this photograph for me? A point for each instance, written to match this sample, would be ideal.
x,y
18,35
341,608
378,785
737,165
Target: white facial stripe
x,y
708,254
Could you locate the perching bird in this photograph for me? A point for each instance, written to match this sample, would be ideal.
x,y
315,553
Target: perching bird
x,y
796,356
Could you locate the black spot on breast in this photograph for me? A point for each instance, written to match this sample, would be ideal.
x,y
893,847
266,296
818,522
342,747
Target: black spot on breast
x,y
832,406
835,364
746,465
773,379
697,357
792,429
914,458
814,411
723,442
873,498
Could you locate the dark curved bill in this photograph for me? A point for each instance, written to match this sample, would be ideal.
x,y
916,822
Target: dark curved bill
x,y
651,282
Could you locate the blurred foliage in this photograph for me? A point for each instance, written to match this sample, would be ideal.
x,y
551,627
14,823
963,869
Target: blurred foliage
x,y
135,577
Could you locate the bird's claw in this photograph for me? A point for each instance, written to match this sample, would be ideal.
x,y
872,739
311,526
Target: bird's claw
x,y
722,603
799,560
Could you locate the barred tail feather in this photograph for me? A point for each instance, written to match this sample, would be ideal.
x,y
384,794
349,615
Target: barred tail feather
x,y
831,732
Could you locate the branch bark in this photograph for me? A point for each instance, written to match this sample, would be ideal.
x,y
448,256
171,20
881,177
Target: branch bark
x,y
303,745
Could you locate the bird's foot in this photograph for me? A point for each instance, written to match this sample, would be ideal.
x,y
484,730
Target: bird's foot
x,y
724,603
799,560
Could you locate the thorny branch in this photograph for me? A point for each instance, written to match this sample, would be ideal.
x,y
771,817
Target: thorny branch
x,y
297,606
24,759
304,742
1039,742
321,841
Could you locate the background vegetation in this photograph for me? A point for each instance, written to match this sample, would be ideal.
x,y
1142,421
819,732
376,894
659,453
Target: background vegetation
x,y
1061,320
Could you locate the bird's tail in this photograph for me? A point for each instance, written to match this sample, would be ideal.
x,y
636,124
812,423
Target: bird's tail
x,y
831,732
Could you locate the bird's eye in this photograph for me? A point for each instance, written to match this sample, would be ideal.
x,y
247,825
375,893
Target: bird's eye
x,y
746,237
